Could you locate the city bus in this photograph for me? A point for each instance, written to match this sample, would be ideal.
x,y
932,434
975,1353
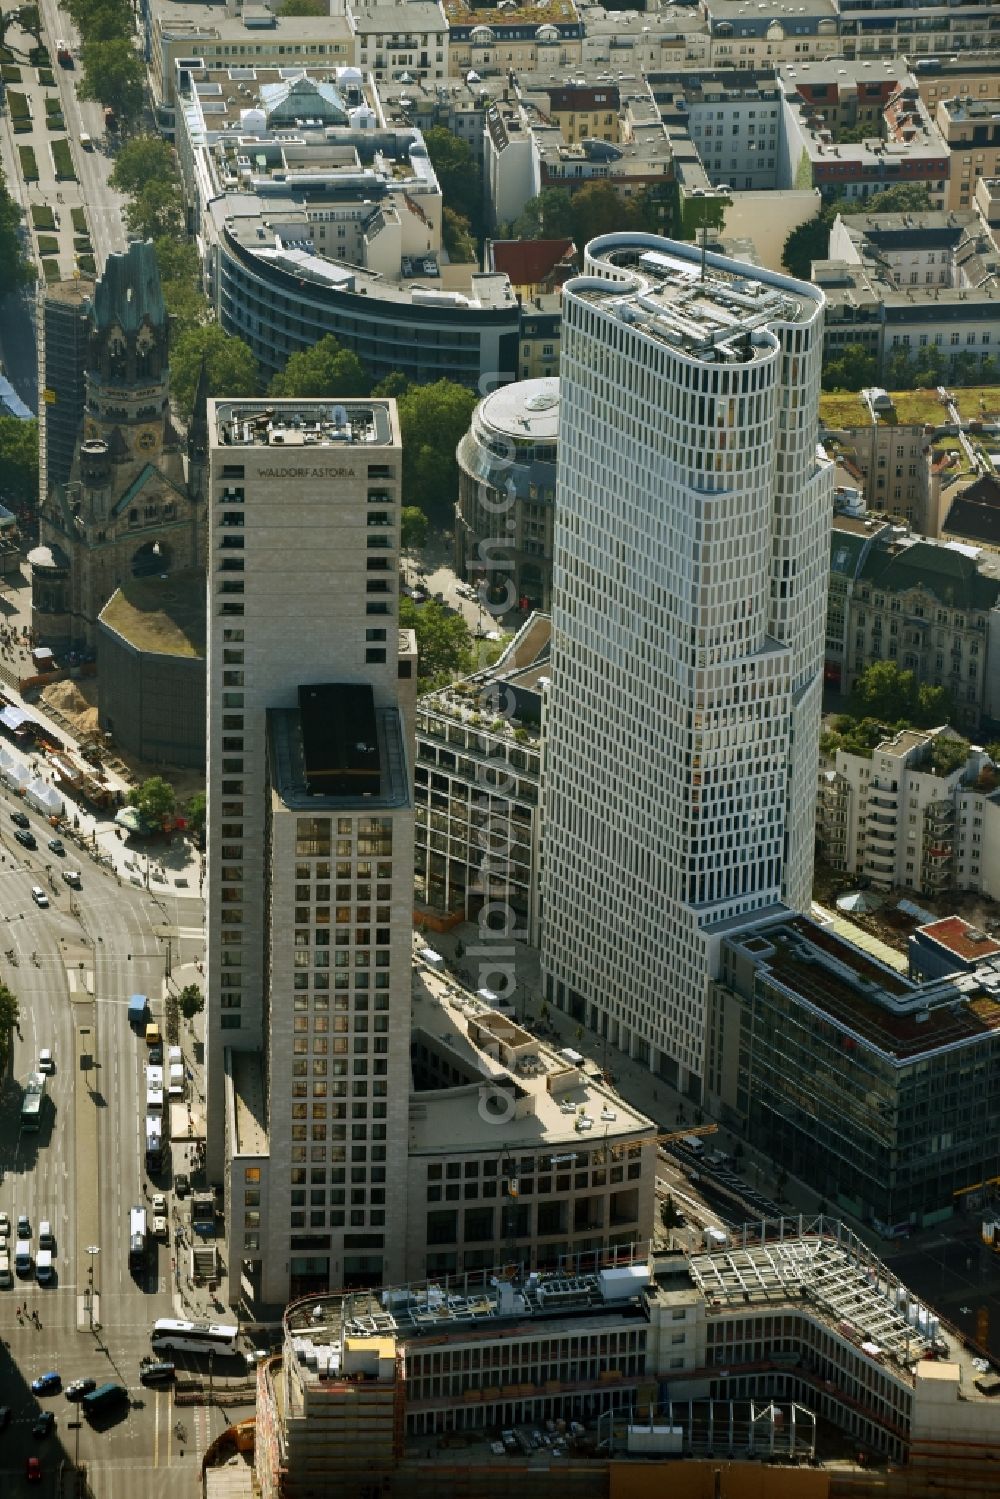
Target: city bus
x,y
136,1238
34,1097
193,1337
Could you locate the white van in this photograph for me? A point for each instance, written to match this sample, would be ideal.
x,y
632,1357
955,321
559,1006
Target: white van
x,y
85,141
6,1279
44,1273
22,1257
46,1238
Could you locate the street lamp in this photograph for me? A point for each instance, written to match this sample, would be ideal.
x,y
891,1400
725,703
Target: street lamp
x,y
93,1250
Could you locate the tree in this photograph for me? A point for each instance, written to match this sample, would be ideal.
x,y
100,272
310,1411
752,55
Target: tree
x,y
443,640
15,269
195,812
456,231
18,460
809,242
326,369
10,1012
903,197
30,22
949,752
412,528
433,419
142,160
893,696
172,1018
230,366
597,209
113,75
853,370
393,386
191,1001
458,173
156,211
547,216
180,280
154,799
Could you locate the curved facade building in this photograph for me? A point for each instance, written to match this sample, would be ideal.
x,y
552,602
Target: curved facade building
x,y
689,593
282,303
506,493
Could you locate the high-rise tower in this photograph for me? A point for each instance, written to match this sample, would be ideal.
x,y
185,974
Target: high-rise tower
x,y
689,590
310,844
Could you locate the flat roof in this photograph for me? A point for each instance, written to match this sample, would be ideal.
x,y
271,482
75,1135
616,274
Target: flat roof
x,y
901,1019
339,739
718,316
297,424
557,1105
301,750
527,411
967,942
162,615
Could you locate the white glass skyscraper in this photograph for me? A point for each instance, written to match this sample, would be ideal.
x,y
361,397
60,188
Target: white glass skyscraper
x,y
689,592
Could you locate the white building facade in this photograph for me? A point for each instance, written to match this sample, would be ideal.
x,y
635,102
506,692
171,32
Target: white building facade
x,y
310,845
689,594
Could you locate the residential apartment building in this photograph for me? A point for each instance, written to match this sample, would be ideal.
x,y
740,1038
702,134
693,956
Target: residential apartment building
x,y
310,845
683,714
892,461
634,1365
917,29
752,36
905,147
971,128
897,283
396,40
505,513
851,539
892,816
932,608
488,39
478,788
871,1086
198,35
920,812
968,75
314,218
734,120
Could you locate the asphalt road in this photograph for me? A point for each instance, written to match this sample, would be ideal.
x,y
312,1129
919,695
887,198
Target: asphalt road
x,y
92,948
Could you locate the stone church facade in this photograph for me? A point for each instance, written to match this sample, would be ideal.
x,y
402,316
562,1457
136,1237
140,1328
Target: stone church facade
x,y
133,505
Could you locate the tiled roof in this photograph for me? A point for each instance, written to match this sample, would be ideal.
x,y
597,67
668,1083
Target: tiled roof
x,y
530,262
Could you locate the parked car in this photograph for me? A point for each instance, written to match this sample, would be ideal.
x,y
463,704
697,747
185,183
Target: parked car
x,y
47,1384
182,1184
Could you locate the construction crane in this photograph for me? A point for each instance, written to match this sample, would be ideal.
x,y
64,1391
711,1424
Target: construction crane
x,y
682,1134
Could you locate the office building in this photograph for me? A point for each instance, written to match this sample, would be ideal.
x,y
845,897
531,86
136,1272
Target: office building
x,y
873,1087
310,845
504,516
682,722
62,368
478,788
315,218
624,1365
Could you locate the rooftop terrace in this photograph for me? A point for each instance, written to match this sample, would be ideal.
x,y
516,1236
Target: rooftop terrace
x,y
900,1019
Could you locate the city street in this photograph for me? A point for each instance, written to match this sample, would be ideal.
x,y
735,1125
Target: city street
x,y
73,968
